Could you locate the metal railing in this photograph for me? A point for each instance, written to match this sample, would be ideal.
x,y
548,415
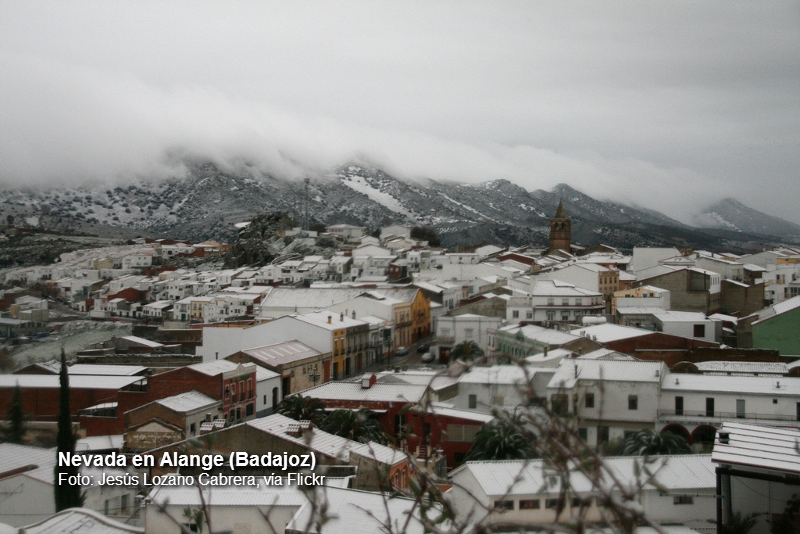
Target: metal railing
x,y
704,414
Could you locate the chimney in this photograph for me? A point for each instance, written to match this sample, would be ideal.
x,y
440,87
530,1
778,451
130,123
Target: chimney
x,y
208,417
329,319
367,381
354,314
545,352
341,317
724,438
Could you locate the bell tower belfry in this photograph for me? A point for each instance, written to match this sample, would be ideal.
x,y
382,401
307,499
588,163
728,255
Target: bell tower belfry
x,y
560,234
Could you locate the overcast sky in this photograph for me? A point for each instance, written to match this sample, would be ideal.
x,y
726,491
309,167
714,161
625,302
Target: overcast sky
x,y
669,105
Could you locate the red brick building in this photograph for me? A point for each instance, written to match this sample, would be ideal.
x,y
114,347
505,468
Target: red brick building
x,y
41,393
447,429
234,384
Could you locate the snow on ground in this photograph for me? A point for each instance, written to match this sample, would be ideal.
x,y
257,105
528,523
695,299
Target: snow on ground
x,y
73,336
360,185
468,208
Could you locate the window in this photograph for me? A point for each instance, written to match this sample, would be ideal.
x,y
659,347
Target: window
x,y
462,433
123,505
565,316
559,404
699,330
683,499
709,406
265,400
551,316
529,504
551,301
583,433
529,315
633,402
565,302
473,401
192,428
515,314
504,505
551,503
740,408
678,405
468,333
602,434
578,302
589,400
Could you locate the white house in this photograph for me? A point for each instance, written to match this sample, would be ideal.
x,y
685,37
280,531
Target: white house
x,y
346,231
682,489
693,325
695,405
483,389
554,300
610,398
455,329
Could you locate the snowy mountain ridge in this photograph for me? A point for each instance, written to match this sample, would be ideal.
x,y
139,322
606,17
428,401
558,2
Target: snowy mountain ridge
x,y
208,201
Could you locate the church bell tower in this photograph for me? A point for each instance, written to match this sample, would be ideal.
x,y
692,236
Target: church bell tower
x,y
560,237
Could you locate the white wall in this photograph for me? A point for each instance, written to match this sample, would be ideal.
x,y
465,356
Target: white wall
x,y
459,325
686,329
264,394
220,342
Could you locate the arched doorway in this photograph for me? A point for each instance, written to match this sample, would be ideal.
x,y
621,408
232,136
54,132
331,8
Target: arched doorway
x,y
678,430
704,434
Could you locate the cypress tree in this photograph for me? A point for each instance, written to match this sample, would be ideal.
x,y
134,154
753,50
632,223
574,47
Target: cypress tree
x,y
67,495
15,429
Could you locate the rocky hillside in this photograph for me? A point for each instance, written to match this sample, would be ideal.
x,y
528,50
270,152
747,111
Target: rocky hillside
x,y
208,201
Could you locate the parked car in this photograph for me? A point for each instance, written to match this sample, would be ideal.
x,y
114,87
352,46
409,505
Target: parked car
x,y
423,347
401,351
427,357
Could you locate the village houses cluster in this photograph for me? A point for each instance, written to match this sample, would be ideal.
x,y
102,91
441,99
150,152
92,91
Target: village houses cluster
x,y
702,345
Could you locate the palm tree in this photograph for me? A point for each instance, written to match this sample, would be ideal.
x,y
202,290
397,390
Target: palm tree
x,y
302,408
466,351
358,426
649,443
503,439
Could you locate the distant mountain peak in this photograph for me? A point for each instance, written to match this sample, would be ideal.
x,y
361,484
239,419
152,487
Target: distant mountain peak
x,y
730,214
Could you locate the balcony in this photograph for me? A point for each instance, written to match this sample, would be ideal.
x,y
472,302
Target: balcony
x,y
718,416
557,306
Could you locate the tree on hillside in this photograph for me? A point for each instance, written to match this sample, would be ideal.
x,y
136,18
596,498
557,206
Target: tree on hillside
x,y
67,495
358,426
426,233
302,408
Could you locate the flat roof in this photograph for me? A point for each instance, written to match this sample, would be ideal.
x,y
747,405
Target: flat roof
x,y
75,381
534,477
